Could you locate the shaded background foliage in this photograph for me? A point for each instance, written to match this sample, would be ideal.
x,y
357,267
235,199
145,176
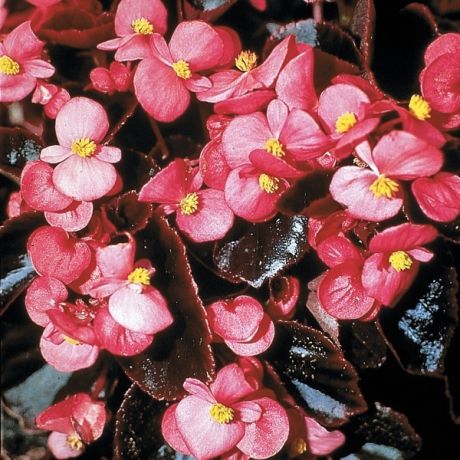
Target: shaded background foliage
x,y
406,362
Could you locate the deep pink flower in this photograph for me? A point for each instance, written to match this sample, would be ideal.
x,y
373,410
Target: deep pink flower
x,y
438,196
212,421
117,77
85,172
242,324
51,97
133,302
395,258
74,422
249,88
163,81
43,2
16,205
284,294
307,436
135,22
20,63
54,253
375,194
203,215
340,291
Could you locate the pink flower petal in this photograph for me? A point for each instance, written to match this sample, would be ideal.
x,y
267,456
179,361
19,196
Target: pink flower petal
x,y
81,118
38,68
205,437
117,339
235,319
72,219
243,135
267,436
196,43
231,385
350,187
38,190
45,293
116,260
22,44
403,156
336,250
109,154
60,448
438,197
198,388
248,411
138,47
55,154
341,293
84,179
171,432
212,220
278,167
213,166
115,43
16,87
245,104
130,10
277,113
320,440
160,91
302,94
145,312
197,83
232,45
421,254
446,43
257,344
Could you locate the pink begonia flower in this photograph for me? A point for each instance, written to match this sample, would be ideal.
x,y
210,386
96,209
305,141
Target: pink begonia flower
x,y
74,422
163,81
54,253
203,215
275,141
396,254
284,294
440,82
133,302
117,77
344,110
213,421
340,291
249,88
135,22
374,194
51,97
16,205
242,324
20,63
40,3
307,436
73,218
438,196
260,5
68,345
84,172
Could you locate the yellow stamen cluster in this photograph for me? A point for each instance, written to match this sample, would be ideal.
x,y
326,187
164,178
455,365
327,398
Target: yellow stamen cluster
x,y
400,261
221,414
142,26
139,276
74,441
8,66
189,204
419,107
268,183
275,147
345,122
384,186
84,147
246,61
70,340
182,69
299,446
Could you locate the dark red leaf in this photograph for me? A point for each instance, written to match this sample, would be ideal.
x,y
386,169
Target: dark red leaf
x,y
183,350
263,252
363,25
316,373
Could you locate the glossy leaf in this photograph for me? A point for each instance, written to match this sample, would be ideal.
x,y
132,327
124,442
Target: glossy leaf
x,y
183,350
317,374
263,252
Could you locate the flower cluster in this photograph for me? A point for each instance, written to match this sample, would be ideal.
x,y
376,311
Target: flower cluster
x,y
388,181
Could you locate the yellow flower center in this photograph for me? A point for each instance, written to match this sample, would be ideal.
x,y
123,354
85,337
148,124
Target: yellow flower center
x,y
268,183
189,204
221,414
74,441
345,122
83,147
419,107
383,186
8,66
70,340
246,61
400,261
139,276
299,446
275,147
182,69
142,26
